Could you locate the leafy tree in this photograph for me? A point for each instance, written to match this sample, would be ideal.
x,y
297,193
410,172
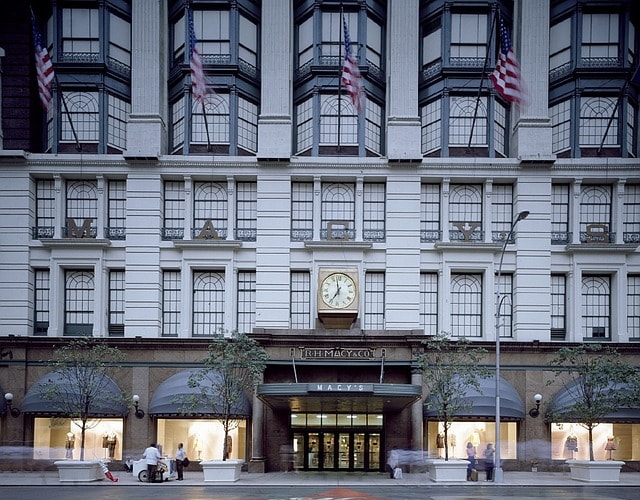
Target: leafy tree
x,y
450,368
232,369
596,381
80,387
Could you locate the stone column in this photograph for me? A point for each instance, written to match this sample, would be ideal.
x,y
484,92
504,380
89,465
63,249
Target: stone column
x,y
531,123
147,127
275,122
403,122
417,414
258,462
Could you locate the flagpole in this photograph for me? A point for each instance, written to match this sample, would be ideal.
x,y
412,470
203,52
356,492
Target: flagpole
x,y
206,126
484,69
66,112
340,69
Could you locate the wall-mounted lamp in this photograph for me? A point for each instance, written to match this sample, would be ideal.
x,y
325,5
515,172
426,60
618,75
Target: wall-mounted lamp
x,y
534,412
136,402
15,412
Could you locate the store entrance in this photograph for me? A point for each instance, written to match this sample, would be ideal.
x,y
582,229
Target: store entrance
x,y
342,449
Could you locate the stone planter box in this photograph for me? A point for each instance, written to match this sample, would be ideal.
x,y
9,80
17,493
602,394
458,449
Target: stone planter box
x,y
79,471
600,471
453,470
221,470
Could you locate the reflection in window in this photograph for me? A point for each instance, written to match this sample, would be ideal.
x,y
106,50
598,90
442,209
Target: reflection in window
x,y
429,303
430,212
210,205
80,34
374,283
558,306
246,301
300,299
338,121
560,46
79,302
466,305
596,307
599,39
595,115
633,306
84,114
468,39
41,291
431,121
465,212
171,302
461,119
561,126
208,303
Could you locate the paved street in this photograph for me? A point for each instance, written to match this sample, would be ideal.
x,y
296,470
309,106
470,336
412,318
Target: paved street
x,y
315,486
293,492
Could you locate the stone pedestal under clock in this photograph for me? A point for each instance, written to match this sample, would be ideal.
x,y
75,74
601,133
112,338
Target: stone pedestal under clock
x,y
338,297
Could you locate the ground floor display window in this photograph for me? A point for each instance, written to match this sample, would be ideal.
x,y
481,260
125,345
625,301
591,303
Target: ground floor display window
x,y
60,438
479,434
334,441
610,442
202,439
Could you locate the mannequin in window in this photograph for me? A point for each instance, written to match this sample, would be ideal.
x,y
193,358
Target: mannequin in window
x,y
111,443
69,444
571,445
610,446
440,443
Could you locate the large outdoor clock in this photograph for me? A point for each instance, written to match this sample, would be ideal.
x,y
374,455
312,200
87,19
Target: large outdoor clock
x,y
338,297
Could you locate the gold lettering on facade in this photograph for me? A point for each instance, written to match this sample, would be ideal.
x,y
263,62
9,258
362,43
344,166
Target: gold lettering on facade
x,y
208,232
467,229
597,233
73,231
337,230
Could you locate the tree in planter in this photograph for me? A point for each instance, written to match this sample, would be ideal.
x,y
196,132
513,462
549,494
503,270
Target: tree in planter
x,y
232,369
596,382
80,387
450,368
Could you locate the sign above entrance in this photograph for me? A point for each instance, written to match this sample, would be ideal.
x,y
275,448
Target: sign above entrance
x,y
339,387
338,353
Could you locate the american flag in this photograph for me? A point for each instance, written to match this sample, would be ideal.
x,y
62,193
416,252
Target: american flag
x,y
198,83
44,66
506,77
351,73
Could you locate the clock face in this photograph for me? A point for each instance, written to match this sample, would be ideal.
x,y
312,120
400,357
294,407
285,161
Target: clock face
x,y
338,290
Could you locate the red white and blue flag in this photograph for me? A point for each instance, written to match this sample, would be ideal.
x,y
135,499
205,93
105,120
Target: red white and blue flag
x,y
44,66
198,83
506,78
351,78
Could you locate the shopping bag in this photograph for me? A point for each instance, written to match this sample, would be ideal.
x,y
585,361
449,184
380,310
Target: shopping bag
x,y
474,475
397,473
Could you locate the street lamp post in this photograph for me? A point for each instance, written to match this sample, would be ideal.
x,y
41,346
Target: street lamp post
x,y
498,476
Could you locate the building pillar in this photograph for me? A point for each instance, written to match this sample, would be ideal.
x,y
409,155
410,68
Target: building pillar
x,y
417,414
275,120
258,462
403,122
146,130
531,123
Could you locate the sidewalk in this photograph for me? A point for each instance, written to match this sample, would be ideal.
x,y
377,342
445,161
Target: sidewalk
x,y
50,478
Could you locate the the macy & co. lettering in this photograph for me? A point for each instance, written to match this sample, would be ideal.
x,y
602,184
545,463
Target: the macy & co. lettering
x,y
340,387
337,352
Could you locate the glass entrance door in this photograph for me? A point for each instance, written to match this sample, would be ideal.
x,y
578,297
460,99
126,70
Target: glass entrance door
x,y
337,450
